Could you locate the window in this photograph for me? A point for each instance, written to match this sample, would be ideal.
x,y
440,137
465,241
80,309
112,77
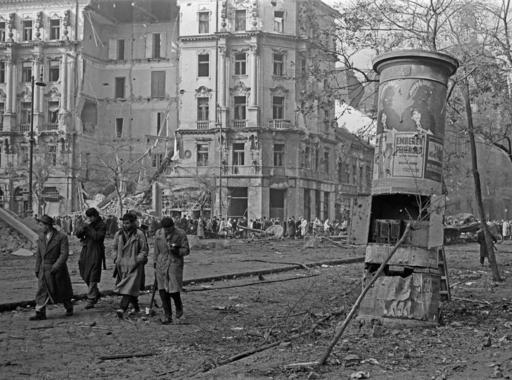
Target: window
x,y
27,30
354,174
238,154
26,112
51,155
26,72
240,64
278,154
202,154
120,49
54,29
279,21
51,192
307,157
53,112
157,45
240,20
54,71
326,160
2,72
303,68
277,108
203,105
327,197
340,172
159,122
204,22
240,102
317,158
278,65
119,127
2,31
119,88
158,84
157,159
2,110
203,65
368,176
361,176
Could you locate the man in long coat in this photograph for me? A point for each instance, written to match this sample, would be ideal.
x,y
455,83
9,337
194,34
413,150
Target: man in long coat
x,y
171,246
130,255
54,283
92,237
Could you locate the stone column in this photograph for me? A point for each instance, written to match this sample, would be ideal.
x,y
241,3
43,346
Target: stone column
x,y
64,83
37,94
222,86
10,96
71,83
253,109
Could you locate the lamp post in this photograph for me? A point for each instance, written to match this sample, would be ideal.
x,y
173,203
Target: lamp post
x,y
31,140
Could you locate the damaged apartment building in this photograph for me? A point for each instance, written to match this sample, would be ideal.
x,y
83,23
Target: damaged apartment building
x,y
225,83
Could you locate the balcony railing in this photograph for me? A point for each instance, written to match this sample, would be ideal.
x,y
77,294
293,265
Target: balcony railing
x,y
203,124
23,128
239,124
280,124
48,127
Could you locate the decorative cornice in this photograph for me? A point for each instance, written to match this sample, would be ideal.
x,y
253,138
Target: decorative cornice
x,y
197,131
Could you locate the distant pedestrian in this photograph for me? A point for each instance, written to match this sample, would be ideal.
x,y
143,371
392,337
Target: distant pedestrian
x,y
54,283
483,245
92,236
171,246
131,254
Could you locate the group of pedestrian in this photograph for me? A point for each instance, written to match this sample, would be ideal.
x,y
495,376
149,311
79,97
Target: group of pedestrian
x,y
130,251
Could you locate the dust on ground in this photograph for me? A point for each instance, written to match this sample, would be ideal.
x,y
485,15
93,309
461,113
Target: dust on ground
x,y
473,342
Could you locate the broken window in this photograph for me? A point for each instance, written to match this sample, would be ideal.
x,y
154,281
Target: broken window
x,y
279,21
157,46
120,50
159,122
278,65
239,154
27,30
307,157
2,31
240,20
2,72
326,160
327,198
2,109
119,127
279,154
23,155
54,70
157,159
26,113
240,107
119,87
53,112
51,155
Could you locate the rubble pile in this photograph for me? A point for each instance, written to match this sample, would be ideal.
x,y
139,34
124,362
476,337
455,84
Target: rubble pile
x,y
11,240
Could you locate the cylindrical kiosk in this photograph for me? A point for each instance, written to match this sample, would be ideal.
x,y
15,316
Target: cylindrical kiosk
x,y
408,186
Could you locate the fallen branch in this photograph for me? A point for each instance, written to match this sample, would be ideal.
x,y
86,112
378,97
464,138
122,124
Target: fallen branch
x,y
126,356
250,284
470,300
354,309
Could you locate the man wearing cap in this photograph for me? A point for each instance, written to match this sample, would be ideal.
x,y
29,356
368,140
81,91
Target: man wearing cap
x,y
171,245
130,252
92,237
54,283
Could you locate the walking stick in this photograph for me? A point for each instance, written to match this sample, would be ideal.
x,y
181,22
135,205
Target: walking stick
x,y
151,312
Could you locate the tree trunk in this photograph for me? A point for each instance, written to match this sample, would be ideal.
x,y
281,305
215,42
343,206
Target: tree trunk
x,y
478,189
163,167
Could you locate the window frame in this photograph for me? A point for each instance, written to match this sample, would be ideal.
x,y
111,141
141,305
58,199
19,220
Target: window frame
x,y
240,65
25,112
203,108
2,110
240,107
157,45
278,108
119,124
54,30
203,25
120,90
27,31
202,155
3,31
2,72
327,152
240,22
279,154
51,114
26,72
158,84
120,50
279,21
53,69
203,66
238,154
278,64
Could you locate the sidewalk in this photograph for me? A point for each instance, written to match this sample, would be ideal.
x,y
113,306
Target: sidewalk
x,y
238,259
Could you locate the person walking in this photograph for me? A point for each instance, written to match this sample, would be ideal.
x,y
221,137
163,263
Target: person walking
x,y
92,256
506,230
54,284
171,246
483,245
130,255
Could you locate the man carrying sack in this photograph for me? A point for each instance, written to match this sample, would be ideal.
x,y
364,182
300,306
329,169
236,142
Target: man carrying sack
x,y
92,237
130,252
54,283
171,245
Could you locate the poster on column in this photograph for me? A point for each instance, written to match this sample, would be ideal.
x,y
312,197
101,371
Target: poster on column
x,y
434,161
408,155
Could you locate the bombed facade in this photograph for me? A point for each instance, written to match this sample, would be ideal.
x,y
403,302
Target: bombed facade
x,y
223,86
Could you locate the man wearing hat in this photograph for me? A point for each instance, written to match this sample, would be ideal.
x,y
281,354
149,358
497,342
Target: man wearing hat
x,y
92,236
130,255
54,283
171,245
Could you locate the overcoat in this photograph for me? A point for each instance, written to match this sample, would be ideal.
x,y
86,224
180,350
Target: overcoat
x,y
291,228
53,254
91,257
130,255
169,267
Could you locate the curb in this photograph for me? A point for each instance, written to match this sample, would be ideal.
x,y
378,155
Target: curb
x,y
13,305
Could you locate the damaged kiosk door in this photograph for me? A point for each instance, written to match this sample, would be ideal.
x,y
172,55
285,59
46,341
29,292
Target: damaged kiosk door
x,y
407,187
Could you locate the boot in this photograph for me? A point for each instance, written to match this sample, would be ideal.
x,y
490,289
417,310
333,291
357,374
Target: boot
x,y
89,304
69,312
38,317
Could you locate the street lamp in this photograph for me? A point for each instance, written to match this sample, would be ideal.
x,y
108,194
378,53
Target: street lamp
x,y
39,83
